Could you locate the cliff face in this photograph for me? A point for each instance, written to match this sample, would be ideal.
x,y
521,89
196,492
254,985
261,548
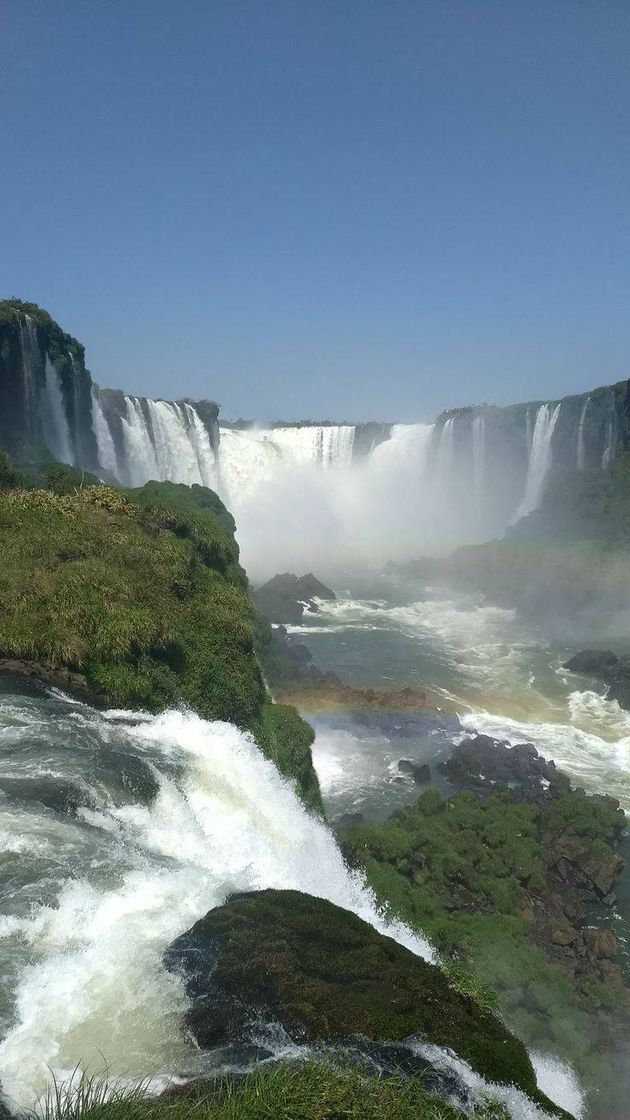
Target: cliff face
x,y
45,389
51,408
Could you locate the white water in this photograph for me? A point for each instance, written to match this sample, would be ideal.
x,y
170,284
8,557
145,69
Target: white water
x,y
168,442
90,982
539,460
53,417
609,445
104,440
581,451
479,457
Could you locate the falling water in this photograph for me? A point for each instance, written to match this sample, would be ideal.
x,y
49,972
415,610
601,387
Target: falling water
x,y
581,453
539,460
53,417
29,347
609,445
444,454
140,458
478,456
107,456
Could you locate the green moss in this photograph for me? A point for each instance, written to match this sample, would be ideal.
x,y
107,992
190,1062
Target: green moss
x,y
146,598
461,872
326,975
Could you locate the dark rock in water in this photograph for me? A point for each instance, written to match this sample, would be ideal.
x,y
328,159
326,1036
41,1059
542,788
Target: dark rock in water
x,y
324,974
605,666
284,598
421,773
592,662
483,761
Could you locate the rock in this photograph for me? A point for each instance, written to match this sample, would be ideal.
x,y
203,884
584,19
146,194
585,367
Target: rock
x,y
481,760
324,974
601,943
285,597
420,772
563,935
592,662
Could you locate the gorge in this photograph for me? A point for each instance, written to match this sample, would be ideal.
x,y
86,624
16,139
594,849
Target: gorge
x,y
466,476
171,780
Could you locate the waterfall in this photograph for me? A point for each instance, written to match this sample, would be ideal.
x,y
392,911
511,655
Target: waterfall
x,y
478,456
107,456
250,457
444,454
127,873
30,351
581,452
539,460
140,458
609,444
200,441
53,417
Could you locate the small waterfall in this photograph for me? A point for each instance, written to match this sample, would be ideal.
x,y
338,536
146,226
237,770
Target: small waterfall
x,y
107,456
609,444
140,458
444,454
478,456
581,452
200,440
539,460
53,417
31,358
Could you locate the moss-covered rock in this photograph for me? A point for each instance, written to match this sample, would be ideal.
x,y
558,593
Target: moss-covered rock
x,y
143,597
326,975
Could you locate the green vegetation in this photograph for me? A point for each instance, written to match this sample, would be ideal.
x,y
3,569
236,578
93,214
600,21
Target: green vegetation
x,y
312,1091
326,975
59,344
145,597
465,873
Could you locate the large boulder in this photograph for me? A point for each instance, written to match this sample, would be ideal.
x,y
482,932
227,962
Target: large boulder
x,y
325,975
285,597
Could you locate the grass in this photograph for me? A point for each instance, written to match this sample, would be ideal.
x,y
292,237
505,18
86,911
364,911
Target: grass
x,y
143,595
279,1091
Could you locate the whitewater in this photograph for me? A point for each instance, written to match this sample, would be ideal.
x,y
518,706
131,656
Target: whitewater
x,y
118,830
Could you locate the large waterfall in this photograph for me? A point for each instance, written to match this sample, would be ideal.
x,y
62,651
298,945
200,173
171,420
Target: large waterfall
x,y
365,491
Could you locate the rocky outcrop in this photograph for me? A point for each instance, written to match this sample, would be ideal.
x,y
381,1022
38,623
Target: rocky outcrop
x,y
325,975
285,598
605,666
480,762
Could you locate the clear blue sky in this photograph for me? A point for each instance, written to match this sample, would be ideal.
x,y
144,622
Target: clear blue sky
x,y
323,208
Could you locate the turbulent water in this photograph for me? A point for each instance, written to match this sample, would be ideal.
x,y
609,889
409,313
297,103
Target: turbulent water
x,y
118,832
480,663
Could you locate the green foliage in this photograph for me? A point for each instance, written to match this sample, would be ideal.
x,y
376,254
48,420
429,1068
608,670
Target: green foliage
x,y
459,871
287,739
278,1091
146,598
61,478
9,478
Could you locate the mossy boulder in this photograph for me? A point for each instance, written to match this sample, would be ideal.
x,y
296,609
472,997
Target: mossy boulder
x,y
326,975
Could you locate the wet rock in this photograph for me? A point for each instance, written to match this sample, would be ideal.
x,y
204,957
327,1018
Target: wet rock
x,y
563,935
592,662
324,975
601,943
284,598
420,772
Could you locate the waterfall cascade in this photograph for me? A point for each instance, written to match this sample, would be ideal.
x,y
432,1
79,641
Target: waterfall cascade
x,y
581,450
539,460
465,478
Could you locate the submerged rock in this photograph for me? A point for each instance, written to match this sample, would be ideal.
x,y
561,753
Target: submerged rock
x,y
420,772
285,597
605,666
325,975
